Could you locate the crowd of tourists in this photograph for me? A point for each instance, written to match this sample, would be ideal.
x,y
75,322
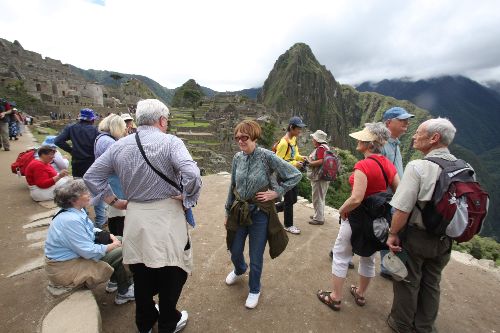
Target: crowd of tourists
x,y
142,183
12,122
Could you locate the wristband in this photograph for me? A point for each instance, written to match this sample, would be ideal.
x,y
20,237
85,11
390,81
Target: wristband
x,y
112,203
392,233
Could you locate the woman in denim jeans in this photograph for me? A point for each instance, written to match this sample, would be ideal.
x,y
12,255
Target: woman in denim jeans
x,y
250,209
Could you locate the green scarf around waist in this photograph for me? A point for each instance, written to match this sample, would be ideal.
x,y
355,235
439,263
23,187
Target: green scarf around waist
x,y
240,216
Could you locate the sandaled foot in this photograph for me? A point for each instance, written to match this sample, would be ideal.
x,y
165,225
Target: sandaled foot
x,y
326,298
360,300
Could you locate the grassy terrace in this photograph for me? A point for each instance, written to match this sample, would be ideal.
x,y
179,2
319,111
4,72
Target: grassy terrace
x,y
200,142
192,124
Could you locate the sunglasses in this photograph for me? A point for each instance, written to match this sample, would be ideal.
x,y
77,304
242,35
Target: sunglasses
x,y
243,138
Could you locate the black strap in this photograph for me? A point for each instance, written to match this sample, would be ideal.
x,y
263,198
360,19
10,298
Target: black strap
x,y
100,136
59,212
381,168
165,178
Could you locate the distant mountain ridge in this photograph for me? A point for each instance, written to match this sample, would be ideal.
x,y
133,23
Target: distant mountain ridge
x,y
165,94
470,105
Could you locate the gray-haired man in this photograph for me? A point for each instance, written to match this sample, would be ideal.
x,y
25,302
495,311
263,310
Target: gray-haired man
x,y
416,301
156,242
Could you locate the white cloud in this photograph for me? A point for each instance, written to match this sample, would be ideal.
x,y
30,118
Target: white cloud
x,y
233,44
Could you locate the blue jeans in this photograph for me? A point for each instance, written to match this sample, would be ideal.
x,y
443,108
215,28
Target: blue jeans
x,y
100,214
257,234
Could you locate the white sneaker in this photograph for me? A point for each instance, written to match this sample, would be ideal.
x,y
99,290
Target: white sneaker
x,y
252,300
182,322
293,230
127,297
232,278
111,287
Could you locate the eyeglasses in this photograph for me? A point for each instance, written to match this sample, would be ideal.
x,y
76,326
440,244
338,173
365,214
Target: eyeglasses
x,y
243,138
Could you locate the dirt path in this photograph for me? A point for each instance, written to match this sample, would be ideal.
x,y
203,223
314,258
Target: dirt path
x,y
23,300
288,302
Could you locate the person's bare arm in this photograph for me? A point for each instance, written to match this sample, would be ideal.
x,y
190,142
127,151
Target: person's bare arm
x,y
399,220
357,195
395,183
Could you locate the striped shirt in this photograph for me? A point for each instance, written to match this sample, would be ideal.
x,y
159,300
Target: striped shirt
x,y
140,183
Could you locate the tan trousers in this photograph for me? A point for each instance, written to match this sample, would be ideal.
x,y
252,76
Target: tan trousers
x,y
319,189
76,272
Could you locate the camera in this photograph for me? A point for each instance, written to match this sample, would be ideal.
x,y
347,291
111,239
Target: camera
x,y
303,168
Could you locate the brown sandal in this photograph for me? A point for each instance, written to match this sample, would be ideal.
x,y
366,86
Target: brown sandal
x,y
360,300
326,298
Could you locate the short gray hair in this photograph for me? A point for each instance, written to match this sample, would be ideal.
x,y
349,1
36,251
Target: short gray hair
x,y
66,194
443,127
381,132
149,111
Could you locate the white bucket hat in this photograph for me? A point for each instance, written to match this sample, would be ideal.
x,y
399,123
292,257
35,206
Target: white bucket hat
x,y
320,136
395,266
127,116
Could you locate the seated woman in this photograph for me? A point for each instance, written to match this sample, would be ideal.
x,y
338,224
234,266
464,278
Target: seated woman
x,y
42,178
371,175
73,258
59,163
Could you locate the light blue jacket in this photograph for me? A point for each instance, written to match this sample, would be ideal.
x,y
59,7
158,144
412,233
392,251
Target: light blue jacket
x,y
71,235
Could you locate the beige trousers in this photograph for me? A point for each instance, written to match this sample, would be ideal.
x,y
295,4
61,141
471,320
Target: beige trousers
x,y
76,272
319,189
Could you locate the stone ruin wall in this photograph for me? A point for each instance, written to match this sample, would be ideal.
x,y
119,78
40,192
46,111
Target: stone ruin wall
x,y
47,79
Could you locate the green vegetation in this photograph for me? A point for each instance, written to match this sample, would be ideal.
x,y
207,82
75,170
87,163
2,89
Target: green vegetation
x,y
112,79
340,189
188,95
41,137
16,92
481,248
268,136
193,124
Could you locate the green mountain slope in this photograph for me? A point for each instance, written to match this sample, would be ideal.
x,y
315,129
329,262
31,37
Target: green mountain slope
x,y
188,95
299,85
105,78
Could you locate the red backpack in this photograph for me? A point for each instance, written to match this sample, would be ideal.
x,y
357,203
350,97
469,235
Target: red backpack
x,y
459,204
22,161
331,165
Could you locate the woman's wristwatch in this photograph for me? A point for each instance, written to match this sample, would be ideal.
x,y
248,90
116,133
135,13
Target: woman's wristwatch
x,y
112,203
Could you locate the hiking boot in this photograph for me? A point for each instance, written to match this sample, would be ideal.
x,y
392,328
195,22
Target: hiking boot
x,y
293,230
315,222
111,287
232,278
252,300
126,297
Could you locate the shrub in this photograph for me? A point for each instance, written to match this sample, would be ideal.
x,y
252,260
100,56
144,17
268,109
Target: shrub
x,y
481,248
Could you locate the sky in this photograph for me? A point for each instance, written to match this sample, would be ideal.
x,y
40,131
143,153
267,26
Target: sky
x,y
231,45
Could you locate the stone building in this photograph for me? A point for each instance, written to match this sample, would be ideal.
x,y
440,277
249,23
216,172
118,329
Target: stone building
x,y
47,79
